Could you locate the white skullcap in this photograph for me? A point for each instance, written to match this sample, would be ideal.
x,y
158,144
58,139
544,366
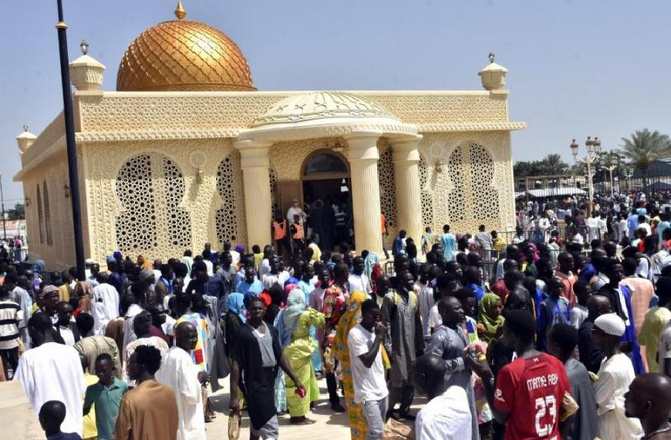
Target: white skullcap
x,y
611,324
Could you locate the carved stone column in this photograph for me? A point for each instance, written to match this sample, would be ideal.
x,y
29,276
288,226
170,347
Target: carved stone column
x,y
256,180
363,156
405,156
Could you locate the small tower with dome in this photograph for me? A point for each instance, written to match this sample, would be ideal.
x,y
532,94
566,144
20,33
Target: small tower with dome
x,y
493,76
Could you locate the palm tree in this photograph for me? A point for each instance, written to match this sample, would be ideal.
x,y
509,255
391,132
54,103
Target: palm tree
x,y
553,165
643,148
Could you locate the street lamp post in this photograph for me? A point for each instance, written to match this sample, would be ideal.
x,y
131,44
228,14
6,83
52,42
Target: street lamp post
x,y
68,114
628,173
2,200
593,150
610,169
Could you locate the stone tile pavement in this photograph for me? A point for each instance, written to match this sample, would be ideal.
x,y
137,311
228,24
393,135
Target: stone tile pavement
x,y
328,426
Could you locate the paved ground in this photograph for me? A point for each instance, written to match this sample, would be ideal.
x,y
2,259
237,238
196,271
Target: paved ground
x,y
329,425
19,422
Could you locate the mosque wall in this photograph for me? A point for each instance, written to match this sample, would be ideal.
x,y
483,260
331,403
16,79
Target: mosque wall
x,y
160,174
49,215
159,198
466,180
234,112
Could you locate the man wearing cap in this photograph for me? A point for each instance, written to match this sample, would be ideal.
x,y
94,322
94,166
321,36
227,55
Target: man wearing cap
x,y
47,301
615,376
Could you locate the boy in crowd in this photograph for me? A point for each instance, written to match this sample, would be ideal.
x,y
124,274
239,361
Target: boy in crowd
x,y
106,395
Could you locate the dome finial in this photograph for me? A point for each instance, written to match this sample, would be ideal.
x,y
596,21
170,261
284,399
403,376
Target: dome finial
x,y
25,128
180,12
491,57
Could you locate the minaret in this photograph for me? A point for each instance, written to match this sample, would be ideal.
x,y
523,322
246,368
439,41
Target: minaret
x,y
86,72
25,139
493,76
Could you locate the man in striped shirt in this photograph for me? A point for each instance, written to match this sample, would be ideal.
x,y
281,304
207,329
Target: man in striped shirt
x,y
10,316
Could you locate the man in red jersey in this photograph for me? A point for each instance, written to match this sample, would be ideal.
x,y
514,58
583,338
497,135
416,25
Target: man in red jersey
x,y
532,396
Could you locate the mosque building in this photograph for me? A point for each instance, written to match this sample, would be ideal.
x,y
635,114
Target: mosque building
x,y
188,151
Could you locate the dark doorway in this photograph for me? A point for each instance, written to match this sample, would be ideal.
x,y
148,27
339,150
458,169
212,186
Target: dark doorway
x,y
327,192
328,189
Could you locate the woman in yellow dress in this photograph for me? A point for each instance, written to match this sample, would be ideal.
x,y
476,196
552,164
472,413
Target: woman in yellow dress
x,y
297,319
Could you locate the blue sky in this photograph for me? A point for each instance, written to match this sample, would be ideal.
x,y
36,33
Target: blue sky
x,y
576,68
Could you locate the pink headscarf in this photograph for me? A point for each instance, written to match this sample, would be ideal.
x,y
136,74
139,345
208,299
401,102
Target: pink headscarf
x,y
287,290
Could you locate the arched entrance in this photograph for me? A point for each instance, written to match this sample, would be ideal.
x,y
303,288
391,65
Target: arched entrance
x,y
325,184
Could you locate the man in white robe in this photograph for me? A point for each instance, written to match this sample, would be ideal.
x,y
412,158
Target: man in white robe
x,y
357,279
105,305
447,415
52,371
180,373
615,376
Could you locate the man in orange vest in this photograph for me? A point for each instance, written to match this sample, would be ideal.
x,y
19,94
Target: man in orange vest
x,y
280,234
383,219
298,235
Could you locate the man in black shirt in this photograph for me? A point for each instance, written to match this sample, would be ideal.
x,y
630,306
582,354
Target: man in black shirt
x,y
258,354
590,354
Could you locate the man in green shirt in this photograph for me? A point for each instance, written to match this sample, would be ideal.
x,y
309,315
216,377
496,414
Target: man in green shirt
x,y
106,395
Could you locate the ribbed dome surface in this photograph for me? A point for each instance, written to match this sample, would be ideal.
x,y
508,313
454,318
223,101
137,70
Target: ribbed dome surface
x,y
183,55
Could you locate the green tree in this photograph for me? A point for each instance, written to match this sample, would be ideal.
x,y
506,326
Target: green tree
x,y
17,213
553,165
643,147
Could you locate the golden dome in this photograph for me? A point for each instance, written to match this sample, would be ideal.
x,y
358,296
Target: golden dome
x,y
183,55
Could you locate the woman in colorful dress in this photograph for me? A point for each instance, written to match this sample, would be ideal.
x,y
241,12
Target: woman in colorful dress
x,y
349,319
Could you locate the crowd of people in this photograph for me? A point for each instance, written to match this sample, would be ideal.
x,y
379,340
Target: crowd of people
x,y
541,338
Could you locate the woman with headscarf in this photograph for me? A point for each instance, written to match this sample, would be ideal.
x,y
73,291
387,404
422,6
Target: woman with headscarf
x,y
295,322
489,327
273,296
490,320
372,269
143,262
349,319
83,292
285,339
234,320
369,263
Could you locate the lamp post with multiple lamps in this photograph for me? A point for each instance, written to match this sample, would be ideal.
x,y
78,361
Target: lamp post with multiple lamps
x,y
628,173
610,169
593,147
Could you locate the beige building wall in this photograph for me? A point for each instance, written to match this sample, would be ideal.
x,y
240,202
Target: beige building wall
x,y
180,148
206,190
466,181
50,239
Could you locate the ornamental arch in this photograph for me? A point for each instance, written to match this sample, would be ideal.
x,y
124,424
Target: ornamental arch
x,y
150,188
